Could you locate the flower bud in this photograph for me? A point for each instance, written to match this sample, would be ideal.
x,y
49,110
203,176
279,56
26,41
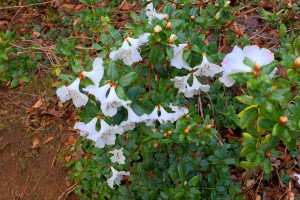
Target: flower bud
x,y
268,153
172,38
283,120
169,133
187,116
218,15
168,26
187,129
296,63
155,144
192,17
166,17
157,29
227,3
165,134
207,127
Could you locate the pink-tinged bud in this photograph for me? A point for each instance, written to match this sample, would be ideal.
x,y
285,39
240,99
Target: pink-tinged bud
x,y
172,38
157,29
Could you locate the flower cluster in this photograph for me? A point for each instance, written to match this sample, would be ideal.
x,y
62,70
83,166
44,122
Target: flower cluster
x,y
190,85
233,63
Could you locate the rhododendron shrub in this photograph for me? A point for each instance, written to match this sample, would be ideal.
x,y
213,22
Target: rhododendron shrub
x,y
150,109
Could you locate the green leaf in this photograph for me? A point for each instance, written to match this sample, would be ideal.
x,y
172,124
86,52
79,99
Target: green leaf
x,y
194,181
245,99
282,30
248,116
128,79
154,53
277,130
267,166
14,83
112,71
115,34
170,52
246,164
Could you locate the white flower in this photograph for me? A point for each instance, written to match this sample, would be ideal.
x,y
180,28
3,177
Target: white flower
x,y
118,156
257,55
233,62
151,118
151,13
110,105
129,54
117,177
165,116
132,118
72,92
87,129
140,41
99,93
177,61
298,177
180,82
195,88
107,135
97,73
179,111
206,68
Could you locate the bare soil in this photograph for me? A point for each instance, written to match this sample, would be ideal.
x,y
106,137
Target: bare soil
x,y
31,146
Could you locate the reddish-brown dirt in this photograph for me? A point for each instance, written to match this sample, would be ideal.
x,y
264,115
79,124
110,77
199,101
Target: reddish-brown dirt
x,y
31,163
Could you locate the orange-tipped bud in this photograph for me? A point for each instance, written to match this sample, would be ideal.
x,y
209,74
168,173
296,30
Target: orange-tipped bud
x,y
207,127
187,129
283,120
168,26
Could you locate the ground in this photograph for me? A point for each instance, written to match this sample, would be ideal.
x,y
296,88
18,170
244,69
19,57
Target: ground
x,y
32,145
35,134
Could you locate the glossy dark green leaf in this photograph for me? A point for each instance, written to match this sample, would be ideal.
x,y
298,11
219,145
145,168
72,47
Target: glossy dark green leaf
x,y
128,79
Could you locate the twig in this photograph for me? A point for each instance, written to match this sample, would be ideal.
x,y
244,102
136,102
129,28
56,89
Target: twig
x,y
122,4
24,6
68,191
200,106
15,15
261,176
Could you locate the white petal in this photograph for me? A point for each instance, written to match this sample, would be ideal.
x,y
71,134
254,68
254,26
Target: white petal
x,y
72,91
63,94
118,156
116,177
207,69
114,55
151,13
260,56
165,116
177,61
99,93
97,73
227,81
86,129
195,88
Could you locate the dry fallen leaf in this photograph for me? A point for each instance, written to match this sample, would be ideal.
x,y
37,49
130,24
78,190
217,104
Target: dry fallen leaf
x,y
49,139
3,112
35,142
68,158
38,104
